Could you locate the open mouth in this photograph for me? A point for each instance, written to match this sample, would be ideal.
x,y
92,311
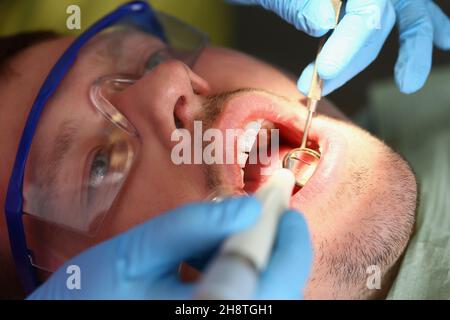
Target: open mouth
x,y
259,115
265,146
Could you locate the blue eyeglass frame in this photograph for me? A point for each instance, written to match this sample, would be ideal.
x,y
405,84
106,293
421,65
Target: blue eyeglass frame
x,y
138,12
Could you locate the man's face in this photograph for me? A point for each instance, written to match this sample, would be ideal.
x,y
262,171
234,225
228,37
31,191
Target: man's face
x,y
359,204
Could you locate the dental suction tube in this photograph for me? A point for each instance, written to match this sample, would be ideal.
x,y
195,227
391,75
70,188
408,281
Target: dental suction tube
x,y
234,273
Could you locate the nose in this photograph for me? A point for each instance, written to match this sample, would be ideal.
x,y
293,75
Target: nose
x,y
165,98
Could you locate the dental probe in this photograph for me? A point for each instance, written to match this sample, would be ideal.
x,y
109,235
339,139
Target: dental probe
x,y
315,90
303,161
234,272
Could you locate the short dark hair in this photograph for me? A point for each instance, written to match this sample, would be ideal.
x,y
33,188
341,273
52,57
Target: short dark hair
x,y
13,44
10,46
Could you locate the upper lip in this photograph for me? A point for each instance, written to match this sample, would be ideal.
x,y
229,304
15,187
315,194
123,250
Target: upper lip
x,y
243,108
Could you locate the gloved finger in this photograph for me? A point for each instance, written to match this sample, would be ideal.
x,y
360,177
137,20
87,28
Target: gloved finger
x,y
361,21
182,233
290,264
314,17
365,56
304,82
416,45
441,26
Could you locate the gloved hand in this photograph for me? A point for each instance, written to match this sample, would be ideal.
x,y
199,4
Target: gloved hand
x,y
354,44
421,23
143,262
361,34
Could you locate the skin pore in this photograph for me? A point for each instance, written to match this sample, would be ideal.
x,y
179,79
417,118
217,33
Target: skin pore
x,y
360,209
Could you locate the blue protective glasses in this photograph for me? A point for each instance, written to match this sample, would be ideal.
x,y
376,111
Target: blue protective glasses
x,y
188,43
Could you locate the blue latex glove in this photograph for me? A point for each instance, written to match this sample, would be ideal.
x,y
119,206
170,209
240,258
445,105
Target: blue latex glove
x,y
421,23
142,263
354,44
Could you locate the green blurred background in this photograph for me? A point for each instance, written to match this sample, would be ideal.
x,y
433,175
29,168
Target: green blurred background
x,y
249,29
215,17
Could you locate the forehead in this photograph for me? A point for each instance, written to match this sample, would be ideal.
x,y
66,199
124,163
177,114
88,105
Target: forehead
x,y
25,75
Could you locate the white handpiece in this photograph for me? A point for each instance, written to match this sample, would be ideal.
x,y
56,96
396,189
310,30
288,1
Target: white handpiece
x,y
234,273
256,243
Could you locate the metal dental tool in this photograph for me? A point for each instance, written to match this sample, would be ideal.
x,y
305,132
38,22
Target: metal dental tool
x,y
303,161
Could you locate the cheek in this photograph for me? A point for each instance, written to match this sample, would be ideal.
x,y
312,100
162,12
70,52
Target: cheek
x,y
154,186
359,193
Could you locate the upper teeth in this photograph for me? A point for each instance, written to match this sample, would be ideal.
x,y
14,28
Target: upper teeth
x,y
247,140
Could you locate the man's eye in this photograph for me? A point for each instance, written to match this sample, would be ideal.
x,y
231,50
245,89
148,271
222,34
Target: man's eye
x,y
156,58
99,169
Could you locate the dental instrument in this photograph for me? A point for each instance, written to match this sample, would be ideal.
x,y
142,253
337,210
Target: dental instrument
x,y
234,273
303,161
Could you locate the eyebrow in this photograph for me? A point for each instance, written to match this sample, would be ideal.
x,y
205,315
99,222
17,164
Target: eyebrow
x,y
51,167
62,144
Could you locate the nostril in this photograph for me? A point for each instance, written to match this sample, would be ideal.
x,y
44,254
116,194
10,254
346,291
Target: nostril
x,y
181,102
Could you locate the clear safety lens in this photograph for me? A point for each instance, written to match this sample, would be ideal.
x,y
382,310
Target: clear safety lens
x,y
74,174
84,147
185,43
